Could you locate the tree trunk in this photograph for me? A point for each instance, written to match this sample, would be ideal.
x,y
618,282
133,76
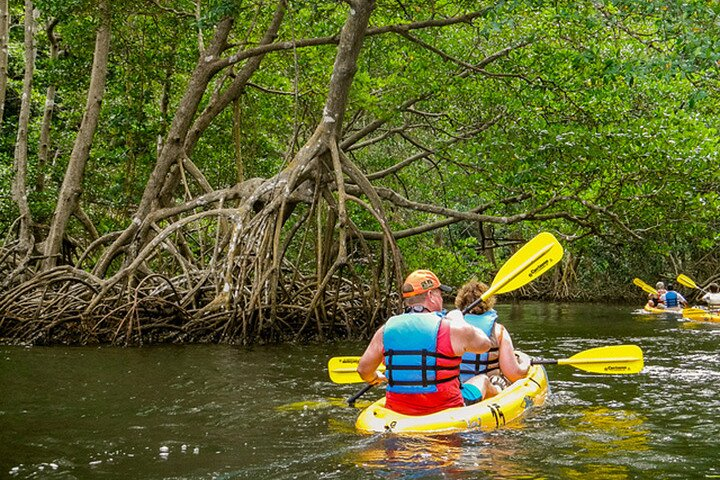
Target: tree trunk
x,y
237,141
185,131
21,145
219,103
255,252
72,182
4,40
44,146
172,148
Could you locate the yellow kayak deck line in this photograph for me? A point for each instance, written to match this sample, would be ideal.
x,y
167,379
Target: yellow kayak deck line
x,y
489,414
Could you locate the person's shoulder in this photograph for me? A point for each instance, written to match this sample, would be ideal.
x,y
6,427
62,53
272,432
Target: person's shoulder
x,y
462,329
455,316
501,331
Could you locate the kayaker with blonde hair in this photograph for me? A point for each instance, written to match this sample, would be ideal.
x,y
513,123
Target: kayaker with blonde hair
x,y
501,364
653,302
421,350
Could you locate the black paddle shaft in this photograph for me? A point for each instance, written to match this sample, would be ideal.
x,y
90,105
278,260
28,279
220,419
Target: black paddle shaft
x,y
471,306
351,400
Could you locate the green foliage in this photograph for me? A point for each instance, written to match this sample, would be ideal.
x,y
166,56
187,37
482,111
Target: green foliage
x,y
609,107
8,209
455,265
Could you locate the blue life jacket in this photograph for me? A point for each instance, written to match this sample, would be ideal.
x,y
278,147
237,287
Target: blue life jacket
x,y
477,363
413,364
671,299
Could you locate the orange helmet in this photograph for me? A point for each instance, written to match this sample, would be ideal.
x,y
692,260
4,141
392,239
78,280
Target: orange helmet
x,y
421,281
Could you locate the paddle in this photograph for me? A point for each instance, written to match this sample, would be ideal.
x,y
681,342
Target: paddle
x,y
612,360
343,370
688,282
532,260
644,286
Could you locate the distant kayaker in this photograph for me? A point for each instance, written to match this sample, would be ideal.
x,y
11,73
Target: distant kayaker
x,y
660,287
421,349
712,297
501,363
653,302
672,299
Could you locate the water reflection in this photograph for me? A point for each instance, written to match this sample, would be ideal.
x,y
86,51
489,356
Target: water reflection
x,y
607,442
606,431
450,456
305,405
409,453
591,442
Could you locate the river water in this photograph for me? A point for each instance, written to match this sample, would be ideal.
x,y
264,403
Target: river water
x,y
202,412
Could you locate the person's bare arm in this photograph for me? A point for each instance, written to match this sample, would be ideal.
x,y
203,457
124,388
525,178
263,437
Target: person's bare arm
x,y
466,338
510,366
371,360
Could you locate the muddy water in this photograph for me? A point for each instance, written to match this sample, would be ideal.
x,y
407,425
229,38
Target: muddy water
x,y
201,412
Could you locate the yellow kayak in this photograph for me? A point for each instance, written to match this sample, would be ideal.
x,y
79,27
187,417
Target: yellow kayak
x,y
489,414
661,311
707,316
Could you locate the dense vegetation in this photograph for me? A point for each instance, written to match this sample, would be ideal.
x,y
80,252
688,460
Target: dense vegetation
x,y
177,170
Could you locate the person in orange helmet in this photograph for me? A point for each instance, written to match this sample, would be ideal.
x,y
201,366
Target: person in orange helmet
x,y
422,349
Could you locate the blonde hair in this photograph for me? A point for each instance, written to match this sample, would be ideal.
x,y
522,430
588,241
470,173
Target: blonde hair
x,y
470,292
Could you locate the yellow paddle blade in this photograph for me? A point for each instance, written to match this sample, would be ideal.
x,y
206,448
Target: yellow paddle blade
x,y
614,359
343,370
644,286
686,281
531,261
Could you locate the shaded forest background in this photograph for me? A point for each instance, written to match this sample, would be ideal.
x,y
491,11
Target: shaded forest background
x,y
250,171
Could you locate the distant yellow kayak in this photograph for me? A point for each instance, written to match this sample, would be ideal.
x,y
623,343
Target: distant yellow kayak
x,y
489,414
660,311
699,316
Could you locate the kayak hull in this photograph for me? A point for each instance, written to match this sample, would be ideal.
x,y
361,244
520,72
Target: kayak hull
x,y
703,317
489,414
662,311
